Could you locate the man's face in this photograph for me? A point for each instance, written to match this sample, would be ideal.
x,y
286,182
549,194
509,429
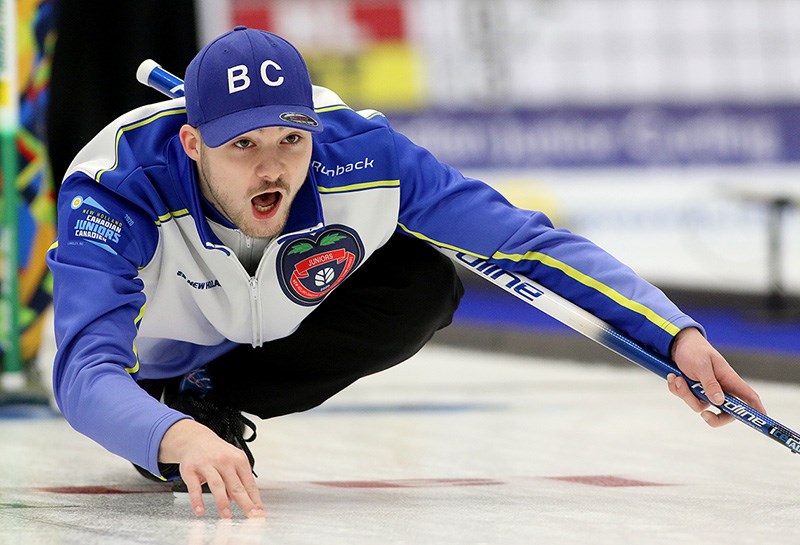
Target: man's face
x,y
253,179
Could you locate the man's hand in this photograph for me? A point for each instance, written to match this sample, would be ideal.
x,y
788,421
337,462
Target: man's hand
x,y
206,458
699,361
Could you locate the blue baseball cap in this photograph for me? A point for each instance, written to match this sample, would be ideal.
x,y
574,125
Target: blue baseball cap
x,y
244,80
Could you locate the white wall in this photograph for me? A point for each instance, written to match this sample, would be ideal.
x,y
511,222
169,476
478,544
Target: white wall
x,y
521,52
696,233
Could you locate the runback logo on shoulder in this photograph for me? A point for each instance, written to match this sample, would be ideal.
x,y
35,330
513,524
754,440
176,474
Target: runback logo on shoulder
x,y
309,267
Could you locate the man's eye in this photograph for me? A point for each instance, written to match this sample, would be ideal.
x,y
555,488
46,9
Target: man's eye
x,y
243,144
293,138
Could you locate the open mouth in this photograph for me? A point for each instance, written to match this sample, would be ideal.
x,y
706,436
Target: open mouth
x,y
266,204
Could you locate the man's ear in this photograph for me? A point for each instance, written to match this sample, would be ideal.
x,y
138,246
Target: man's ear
x,y
190,140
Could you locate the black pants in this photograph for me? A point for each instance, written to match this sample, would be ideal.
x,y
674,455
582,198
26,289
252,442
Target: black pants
x,y
380,316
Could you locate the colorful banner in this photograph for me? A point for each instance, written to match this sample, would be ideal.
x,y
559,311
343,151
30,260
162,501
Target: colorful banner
x,y
359,48
35,42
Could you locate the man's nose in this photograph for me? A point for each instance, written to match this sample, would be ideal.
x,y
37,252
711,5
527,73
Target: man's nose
x,y
269,166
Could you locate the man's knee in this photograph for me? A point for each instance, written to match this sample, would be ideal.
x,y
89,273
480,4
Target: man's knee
x,y
429,292
438,290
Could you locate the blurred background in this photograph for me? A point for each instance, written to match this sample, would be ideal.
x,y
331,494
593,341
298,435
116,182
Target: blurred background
x,y
667,131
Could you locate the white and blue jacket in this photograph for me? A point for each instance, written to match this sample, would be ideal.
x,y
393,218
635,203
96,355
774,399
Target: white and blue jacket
x,y
143,288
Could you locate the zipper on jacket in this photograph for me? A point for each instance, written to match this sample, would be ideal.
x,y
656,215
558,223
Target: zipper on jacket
x,y
248,244
255,312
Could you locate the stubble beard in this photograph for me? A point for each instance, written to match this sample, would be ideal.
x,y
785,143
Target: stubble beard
x,y
218,200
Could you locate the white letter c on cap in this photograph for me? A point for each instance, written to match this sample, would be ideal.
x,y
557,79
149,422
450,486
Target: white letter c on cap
x,y
265,77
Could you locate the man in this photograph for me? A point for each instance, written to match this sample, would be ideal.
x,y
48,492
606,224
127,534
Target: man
x,y
256,249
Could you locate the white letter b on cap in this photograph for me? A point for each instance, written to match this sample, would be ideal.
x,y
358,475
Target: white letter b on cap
x,y
240,77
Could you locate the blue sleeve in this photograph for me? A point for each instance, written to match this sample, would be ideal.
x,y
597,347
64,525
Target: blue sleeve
x,y
440,205
98,303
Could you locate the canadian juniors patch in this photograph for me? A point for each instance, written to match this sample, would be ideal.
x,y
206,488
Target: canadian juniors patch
x,y
309,268
90,222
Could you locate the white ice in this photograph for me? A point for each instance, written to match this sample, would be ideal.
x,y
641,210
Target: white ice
x,y
452,447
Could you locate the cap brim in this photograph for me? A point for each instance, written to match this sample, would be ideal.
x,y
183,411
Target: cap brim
x,y
224,129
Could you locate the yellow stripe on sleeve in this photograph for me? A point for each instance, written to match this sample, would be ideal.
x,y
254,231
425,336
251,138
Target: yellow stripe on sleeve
x,y
332,108
173,214
140,316
135,368
608,291
439,244
360,186
136,321
123,130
